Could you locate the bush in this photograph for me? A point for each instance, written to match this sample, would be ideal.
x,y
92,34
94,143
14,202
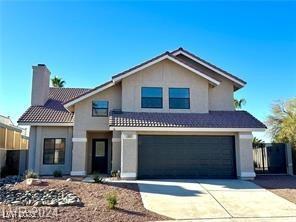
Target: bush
x,y
111,200
115,173
57,173
98,179
30,174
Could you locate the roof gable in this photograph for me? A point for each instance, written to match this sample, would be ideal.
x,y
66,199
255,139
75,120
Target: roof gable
x,y
118,77
238,82
158,59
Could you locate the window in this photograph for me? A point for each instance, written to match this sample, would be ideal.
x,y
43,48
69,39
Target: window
x,y
151,97
179,98
100,108
100,148
54,151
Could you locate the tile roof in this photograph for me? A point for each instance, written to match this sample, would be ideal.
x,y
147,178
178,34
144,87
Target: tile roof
x,y
65,94
213,119
53,110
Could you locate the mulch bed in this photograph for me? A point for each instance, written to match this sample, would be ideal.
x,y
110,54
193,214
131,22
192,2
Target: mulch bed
x,y
284,186
93,196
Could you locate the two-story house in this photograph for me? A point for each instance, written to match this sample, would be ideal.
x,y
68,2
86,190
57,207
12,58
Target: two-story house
x,y
169,117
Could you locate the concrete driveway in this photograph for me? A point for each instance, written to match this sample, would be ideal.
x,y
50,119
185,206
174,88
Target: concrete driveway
x,y
225,200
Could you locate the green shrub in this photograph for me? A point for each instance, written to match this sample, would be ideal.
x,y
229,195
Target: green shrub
x,y
31,174
115,173
57,173
111,200
98,179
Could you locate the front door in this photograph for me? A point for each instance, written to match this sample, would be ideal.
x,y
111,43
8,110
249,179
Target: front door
x,y
100,155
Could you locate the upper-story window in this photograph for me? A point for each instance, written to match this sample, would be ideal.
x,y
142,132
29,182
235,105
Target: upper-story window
x,y
179,98
100,108
151,97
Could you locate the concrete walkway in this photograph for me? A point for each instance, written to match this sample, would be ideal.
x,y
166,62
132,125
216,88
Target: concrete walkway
x,y
222,200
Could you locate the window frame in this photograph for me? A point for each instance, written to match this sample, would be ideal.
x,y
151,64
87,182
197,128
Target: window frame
x,y
92,108
170,105
142,97
53,163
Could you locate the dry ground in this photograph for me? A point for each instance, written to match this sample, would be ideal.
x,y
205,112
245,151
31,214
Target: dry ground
x,y
93,196
284,186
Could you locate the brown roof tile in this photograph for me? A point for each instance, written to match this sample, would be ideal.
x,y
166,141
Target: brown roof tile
x,y
213,119
53,110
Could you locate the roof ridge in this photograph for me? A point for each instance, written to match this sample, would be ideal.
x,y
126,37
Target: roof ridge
x,y
69,88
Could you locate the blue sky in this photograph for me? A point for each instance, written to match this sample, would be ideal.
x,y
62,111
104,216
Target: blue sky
x,y
87,42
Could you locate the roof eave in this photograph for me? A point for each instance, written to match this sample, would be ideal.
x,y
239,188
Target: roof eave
x,y
45,124
186,129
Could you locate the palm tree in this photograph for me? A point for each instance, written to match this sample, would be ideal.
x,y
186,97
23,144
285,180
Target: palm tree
x,y
57,82
258,142
282,122
239,103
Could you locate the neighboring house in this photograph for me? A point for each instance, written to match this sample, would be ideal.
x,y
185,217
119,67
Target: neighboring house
x,y
13,146
169,117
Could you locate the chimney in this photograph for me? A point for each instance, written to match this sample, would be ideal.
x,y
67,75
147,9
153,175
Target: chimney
x,y
40,85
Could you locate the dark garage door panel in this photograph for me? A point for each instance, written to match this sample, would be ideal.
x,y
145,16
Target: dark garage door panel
x,y
186,157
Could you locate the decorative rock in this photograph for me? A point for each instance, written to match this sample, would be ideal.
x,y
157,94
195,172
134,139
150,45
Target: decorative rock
x,y
51,197
16,202
37,204
33,182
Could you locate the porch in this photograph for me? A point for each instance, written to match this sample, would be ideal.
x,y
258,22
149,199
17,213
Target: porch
x,y
96,153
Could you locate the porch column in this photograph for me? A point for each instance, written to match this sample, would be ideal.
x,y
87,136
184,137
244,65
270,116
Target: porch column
x,y
79,155
245,156
129,155
116,150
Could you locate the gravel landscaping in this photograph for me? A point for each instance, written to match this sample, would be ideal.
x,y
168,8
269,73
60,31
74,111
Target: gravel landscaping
x,y
36,198
284,186
92,205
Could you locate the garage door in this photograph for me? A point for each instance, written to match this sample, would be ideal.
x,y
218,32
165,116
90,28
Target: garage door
x,y
186,157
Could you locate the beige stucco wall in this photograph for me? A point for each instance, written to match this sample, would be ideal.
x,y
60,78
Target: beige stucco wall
x,y
84,122
221,97
129,155
165,74
83,111
37,136
245,156
116,150
79,157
